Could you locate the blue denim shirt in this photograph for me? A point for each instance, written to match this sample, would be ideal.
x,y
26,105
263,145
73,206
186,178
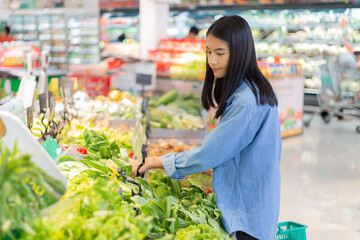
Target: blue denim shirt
x,y
244,150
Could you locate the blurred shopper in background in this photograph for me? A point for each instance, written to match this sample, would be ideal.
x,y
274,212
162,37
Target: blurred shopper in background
x,y
194,31
5,37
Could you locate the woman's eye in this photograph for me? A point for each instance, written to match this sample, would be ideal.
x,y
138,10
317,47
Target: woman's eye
x,y
208,52
220,54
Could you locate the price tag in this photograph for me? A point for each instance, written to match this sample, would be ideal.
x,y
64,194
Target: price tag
x,y
64,97
30,116
69,97
43,102
66,83
27,90
138,139
143,79
52,104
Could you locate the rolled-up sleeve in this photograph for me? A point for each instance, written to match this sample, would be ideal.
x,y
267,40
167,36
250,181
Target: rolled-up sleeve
x,y
236,130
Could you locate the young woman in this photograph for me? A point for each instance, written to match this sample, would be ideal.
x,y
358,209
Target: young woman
x,y
244,149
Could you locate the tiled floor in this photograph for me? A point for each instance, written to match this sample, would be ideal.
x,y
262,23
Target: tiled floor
x,y
321,180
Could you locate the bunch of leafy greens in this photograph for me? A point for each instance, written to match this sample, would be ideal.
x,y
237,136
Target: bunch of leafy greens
x,y
19,203
198,232
99,150
173,207
74,134
97,214
170,206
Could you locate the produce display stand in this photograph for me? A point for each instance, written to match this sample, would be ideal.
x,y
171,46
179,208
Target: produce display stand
x,y
10,77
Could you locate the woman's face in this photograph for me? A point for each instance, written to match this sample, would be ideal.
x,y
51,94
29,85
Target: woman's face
x,y
218,55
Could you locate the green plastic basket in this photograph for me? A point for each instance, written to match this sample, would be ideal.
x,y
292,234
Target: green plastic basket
x,y
291,231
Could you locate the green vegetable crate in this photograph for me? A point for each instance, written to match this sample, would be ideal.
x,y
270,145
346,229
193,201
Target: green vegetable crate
x,y
291,231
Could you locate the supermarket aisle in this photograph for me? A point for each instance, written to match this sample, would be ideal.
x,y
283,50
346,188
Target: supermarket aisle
x,y
321,180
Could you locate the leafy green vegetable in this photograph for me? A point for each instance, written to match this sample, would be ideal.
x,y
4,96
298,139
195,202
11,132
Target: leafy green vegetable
x,y
198,232
24,191
97,214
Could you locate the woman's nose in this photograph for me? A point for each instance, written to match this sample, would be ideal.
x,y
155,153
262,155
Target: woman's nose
x,y
212,59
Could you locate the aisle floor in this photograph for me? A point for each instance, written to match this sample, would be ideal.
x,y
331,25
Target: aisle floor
x,y
321,180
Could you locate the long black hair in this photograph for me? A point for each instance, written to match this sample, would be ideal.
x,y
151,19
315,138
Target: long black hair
x,y
242,66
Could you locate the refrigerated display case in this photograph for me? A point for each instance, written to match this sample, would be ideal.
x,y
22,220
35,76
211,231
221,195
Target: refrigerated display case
x,y
83,39
71,37
112,25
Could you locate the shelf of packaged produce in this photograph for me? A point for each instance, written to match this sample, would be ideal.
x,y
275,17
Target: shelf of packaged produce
x,y
291,55
59,25
19,72
122,26
265,6
46,48
89,33
314,91
76,61
44,37
44,26
74,25
89,25
58,60
59,37
83,50
17,27
300,26
29,28
82,25
29,38
58,49
309,41
80,41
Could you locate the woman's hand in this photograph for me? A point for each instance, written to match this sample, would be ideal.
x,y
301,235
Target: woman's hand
x,y
150,163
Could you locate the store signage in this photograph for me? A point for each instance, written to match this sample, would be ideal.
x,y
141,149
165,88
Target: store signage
x,y
138,139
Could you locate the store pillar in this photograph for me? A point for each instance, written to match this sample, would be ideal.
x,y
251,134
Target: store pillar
x,y
153,23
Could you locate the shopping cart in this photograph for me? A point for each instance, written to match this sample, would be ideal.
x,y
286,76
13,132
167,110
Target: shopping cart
x,y
340,92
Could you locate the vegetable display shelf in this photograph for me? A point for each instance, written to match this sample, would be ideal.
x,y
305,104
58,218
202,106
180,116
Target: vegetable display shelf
x,y
10,79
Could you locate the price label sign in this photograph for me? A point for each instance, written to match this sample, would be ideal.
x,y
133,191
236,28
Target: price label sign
x,y
143,79
30,116
43,102
64,97
138,139
69,96
52,104
66,83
